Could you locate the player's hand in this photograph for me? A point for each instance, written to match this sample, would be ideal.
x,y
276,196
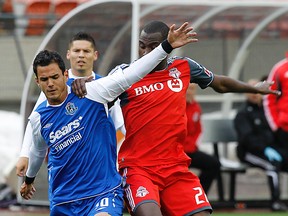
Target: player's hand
x,y
27,191
264,88
78,86
181,36
21,166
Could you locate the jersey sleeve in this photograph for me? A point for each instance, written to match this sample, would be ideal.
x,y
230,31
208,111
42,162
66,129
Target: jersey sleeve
x,y
199,74
27,139
117,117
38,148
108,88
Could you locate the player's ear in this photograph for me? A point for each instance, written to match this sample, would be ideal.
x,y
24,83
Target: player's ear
x,y
36,80
66,74
68,54
95,55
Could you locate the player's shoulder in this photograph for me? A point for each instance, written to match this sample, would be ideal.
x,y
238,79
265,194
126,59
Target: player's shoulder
x,y
35,114
172,59
118,67
41,106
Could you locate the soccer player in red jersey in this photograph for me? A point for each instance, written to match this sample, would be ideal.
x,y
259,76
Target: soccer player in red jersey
x,y
275,106
152,159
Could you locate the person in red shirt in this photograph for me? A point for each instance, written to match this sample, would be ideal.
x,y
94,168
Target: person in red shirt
x,y
276,106
208,165
151,159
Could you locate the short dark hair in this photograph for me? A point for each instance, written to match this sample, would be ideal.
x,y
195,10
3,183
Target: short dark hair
x,y
83,36
157,26
46,57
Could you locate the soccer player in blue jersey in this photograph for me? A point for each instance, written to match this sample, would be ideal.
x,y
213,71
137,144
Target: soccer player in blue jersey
x,y
83,179
81,53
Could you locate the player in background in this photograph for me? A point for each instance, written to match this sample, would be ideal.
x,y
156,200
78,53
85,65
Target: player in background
x,y
152,158
83,179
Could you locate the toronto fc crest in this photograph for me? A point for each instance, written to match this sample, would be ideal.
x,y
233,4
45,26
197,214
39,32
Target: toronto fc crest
x,y
141,192
175,73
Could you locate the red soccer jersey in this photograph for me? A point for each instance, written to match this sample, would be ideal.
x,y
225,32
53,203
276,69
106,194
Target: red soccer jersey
x,y
154,114
194,129
276,107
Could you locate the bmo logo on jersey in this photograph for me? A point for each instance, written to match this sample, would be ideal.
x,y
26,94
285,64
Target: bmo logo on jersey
x,y
146,89
176,85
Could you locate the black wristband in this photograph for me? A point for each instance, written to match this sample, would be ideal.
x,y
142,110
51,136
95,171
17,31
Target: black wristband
x,y
29,180
167,46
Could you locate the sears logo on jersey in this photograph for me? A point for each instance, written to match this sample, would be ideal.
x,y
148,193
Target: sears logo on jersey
x,y
176,85
70,109
66,129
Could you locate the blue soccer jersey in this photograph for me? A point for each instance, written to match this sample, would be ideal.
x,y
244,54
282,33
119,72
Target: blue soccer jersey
x,y
81,138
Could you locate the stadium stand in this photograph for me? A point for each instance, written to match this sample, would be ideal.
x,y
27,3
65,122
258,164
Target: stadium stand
x,y
37,11
7,6
61,7
7,21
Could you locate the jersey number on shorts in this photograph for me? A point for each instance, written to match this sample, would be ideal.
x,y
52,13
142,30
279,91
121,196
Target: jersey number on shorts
x,y
102,204
198,196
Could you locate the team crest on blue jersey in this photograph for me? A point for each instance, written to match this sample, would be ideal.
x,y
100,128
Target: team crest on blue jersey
x,y
174,72
70,109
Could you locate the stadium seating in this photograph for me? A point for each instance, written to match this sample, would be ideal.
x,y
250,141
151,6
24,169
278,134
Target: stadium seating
x,y
7,6
7,23
37,12
61,7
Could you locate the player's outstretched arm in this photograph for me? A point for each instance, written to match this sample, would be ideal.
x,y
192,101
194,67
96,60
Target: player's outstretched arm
x,y
224,84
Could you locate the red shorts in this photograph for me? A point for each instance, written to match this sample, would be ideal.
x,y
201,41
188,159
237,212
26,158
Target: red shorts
x,y
174,188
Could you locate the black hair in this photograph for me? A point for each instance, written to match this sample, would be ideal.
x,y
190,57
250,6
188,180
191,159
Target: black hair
x,y
46,57
83,36
157,26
